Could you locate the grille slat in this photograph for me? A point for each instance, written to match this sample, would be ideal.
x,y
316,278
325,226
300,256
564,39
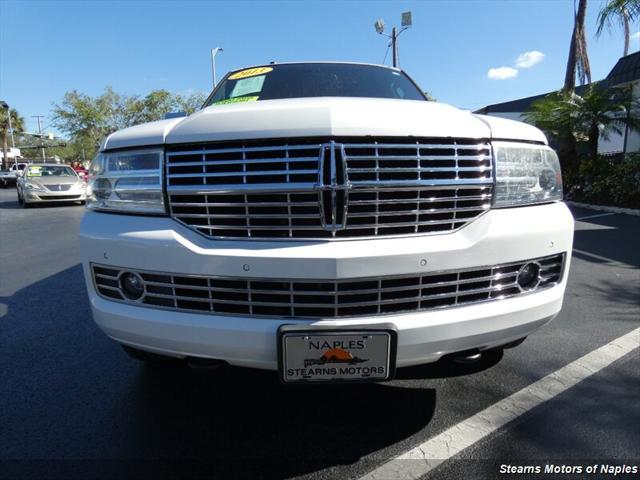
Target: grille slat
x,y
243,162
243,174
302,298
418,157
418,169
326,189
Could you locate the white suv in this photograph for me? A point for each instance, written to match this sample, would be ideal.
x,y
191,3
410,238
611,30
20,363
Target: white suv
x,y
325,220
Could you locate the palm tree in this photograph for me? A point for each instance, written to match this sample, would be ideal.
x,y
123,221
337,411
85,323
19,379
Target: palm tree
x,y
623,12
602,111
595,114
578,60
17,123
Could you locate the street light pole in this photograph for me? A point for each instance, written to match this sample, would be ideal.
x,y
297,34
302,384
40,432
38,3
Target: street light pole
x,y
406,23
214,52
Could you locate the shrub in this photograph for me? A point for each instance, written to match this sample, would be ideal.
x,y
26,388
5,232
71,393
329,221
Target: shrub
x,y
606,181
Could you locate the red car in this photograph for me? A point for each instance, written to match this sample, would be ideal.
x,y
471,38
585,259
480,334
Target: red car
x,y
81,171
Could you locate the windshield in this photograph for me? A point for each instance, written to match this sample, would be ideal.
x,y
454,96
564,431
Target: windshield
x,y
314,80
50,171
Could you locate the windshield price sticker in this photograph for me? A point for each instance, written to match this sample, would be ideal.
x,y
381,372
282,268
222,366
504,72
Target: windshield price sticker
x,y
34,172
251,72
236,100
318,356
247,86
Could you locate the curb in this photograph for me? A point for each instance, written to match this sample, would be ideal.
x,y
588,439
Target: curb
x,y
603,208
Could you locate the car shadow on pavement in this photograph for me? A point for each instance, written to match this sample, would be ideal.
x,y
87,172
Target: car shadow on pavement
x,y
609,238
611,242
70,392
14,205
244,423
448,368
7,201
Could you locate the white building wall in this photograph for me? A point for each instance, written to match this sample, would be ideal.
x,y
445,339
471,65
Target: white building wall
x,y
633,140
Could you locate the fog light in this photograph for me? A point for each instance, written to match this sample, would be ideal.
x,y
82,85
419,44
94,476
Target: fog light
x,y
529,276
132,285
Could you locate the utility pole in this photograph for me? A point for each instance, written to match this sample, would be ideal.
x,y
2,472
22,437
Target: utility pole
x,y
406,23
394,46
44,158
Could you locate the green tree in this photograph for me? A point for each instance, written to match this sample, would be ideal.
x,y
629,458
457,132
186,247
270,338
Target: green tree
x,y
152,107
157,104
17,124
595,114
622,12
88,120
190,103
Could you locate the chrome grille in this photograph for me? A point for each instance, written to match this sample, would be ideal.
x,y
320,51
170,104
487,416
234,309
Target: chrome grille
x,y
326,189
292,298
62,187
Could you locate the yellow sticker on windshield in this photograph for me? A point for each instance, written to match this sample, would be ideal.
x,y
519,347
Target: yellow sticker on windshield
x,y
34,172
235,100
251,72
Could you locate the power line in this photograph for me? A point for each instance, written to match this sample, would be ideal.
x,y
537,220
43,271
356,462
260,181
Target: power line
x,y
385,54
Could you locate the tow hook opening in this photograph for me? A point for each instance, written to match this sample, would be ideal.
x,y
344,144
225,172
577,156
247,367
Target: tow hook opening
x,y
197,363
467,356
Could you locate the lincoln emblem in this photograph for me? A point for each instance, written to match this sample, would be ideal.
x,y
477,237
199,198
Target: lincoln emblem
x,y
333,187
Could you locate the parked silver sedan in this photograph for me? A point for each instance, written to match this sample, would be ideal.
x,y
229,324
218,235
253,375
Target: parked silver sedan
x,y
40,183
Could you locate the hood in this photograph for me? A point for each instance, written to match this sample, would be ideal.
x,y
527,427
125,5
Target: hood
x,y
320,117
152,133
504,129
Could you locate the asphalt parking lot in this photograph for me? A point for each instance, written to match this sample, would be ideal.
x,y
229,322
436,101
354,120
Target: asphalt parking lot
x,y
73,405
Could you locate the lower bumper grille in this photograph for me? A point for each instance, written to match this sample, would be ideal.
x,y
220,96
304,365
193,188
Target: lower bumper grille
x,y
293,298
58,197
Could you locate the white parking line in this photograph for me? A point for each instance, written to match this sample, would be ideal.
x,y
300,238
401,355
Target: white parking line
x,y
428,455
595,216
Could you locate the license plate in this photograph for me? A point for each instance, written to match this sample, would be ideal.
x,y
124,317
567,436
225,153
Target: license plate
x,y
321,356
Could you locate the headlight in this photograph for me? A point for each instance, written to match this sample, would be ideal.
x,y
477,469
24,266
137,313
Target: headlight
x,y
34,186
526,174
128,181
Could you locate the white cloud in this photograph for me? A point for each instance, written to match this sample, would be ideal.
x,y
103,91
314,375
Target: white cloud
x,y
502,73
529,59
635,36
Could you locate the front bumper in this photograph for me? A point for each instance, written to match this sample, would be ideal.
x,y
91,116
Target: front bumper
x,y
36,196
161,244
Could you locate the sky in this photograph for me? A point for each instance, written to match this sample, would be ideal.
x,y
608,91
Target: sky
x,y
469,53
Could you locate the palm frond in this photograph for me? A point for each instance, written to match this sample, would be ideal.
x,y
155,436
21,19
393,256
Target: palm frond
x,y
614,12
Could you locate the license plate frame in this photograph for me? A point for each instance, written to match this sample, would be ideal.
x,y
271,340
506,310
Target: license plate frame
x,y
319,332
